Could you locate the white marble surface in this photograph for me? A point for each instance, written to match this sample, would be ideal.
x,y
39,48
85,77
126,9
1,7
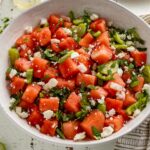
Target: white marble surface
x,y
14,137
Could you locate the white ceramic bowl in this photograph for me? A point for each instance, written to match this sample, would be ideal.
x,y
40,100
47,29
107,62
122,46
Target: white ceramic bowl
x,y
108,9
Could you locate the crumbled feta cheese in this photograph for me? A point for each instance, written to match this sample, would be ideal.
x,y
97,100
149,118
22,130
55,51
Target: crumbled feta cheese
x,y
43,21
136,112
113,47
28,29
80,95
129,37
23,74
101,100
12,73
94,17
116,86
93,102
12,100
112,112
90,49
129,43
128,81
37,54
93,72
120,71
23,46
37,126
131,49
82,67
107,131
67,31
51,83
146,87
131,59
121,55
41,83
79,136
48,114
88,108
74,55
120,95
122,36
126,68
141,68
21,113
55,41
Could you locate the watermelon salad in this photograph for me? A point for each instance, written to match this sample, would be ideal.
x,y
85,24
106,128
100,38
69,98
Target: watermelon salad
x,y
78,78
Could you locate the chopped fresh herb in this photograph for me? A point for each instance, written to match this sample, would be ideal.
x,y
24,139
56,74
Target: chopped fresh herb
x,y
81,114
131,66
67,117
91,87
102,107
71,15
59,22
142,48
60,133
134,81
96,133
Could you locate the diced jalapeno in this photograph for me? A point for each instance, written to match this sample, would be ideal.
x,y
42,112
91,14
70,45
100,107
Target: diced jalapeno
x,y
13,55
63,58
2,146
146,73
118,39
140,104
120,46
104,77
81,29
29,75
96,34
102,108
78,21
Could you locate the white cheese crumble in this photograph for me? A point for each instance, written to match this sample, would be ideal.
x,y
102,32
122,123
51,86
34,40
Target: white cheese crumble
x,y
113,47
74,55
82,67
12,73
51,83
67,31
131,49
128,81
20,113
112,112
23,74
136,112
107,131
55,41
12,100
28,29
146,87
37,54
131,59
93,102
94,16
129,37
93,72
129,43
48,114
43,21
120,95
79,136
38,126
120,71
41,83
121,55
141,68
116,86
122,36
101,100
23,46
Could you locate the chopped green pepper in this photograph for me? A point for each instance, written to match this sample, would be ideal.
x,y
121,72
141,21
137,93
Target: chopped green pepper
x,y
63,58
146,73
120,46
2,146
102,107
118,39
29,75
13,55
81,29
96,34
104,77
140,104
78,21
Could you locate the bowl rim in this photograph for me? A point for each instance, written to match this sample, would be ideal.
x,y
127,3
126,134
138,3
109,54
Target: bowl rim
x,y
65,142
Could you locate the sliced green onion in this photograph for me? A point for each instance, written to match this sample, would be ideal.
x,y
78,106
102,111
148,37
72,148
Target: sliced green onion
x,y
29,75
13,55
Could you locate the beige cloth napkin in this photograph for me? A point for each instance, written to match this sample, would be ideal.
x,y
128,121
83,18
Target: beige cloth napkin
x,y
138,139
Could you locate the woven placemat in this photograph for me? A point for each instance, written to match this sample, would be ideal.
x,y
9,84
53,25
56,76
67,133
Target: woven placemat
x,y
138,139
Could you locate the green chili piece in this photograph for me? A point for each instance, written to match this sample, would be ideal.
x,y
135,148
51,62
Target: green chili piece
x,y
118,39
13,55
120,46
104,77
81,29
63,58
78,21
146,73
29,75
96,34
102,107
2,146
